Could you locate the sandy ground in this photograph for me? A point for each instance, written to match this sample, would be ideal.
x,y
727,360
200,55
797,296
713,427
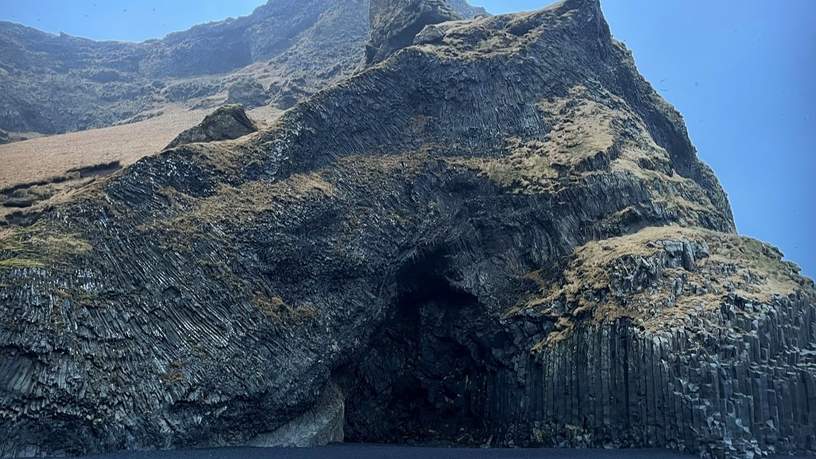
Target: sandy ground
x,y
46,157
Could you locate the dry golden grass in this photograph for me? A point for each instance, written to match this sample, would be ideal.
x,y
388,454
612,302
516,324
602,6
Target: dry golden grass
x,y
245,203
736,265
48,160
37,247
280,312
582,129
46,157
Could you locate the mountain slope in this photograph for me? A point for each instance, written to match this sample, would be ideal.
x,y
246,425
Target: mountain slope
x,y
53,84
394,27
500,234
466,10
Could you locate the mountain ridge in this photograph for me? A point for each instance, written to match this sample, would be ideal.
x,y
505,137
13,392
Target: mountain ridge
x,y
58,83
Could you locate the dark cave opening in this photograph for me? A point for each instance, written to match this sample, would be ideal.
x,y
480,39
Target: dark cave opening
x,y
424,377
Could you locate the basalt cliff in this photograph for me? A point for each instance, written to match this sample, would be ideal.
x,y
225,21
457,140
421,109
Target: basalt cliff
x,y
500,235
281,53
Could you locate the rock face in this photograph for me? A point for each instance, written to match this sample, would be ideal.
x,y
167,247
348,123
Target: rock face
x,y
466,10
226,123
248,93
500,236
395,23
319,426
52,84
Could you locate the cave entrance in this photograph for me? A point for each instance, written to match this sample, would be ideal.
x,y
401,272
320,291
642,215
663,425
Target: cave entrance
x,y
424,377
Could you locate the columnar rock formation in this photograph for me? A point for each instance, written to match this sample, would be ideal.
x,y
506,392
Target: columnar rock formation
x,y
498,235
395,23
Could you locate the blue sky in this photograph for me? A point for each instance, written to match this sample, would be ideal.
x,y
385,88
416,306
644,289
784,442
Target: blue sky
x,y
740,71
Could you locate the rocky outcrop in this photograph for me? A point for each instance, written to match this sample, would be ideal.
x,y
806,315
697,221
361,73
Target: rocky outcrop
x,y
394,24
248,93
674,336
499,236
226,123
319,426
465,10
286,94
57,83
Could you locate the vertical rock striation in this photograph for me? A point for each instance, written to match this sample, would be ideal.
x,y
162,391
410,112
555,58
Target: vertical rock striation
x,y
499,234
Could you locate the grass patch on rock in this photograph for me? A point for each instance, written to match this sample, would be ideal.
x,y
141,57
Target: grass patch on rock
x,y
641,277
38,247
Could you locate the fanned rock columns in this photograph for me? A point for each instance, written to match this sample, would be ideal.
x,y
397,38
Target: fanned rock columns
x,y
499,234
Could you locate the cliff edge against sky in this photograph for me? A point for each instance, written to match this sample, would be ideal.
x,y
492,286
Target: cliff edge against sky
x,y
500,234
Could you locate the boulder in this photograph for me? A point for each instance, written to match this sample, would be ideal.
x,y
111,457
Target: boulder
x,y
226,123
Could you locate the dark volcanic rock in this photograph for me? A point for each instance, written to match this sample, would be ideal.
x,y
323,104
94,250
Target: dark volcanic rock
x,y
466,10
514,247
189,89
288,93
248,93
226,123
395,23
52,83
56,83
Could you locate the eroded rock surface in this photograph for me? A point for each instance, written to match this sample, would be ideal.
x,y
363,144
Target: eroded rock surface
x,y
395,23
466,10
319,426
248,93
226,123
57,83
499,236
